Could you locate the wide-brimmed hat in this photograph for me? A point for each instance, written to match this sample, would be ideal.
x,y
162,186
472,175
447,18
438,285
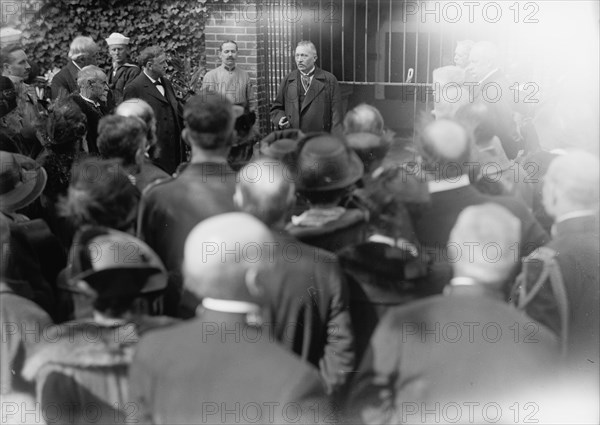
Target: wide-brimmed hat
x,y
325,163
117,39
22,180
98,253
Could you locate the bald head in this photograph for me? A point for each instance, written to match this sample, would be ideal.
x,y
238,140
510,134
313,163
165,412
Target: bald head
x,y
224,254
266,190
446,147
572,183
140,109
363,119
493,232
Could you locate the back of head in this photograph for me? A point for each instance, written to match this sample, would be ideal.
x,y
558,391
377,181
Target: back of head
x,y
446,148
449,91
225,257
576,177
363,119
149,54
121,137
88,73
101,193
67,125
82,46
479,119
209,124
140,109
484,240
448,74
266,190
8,96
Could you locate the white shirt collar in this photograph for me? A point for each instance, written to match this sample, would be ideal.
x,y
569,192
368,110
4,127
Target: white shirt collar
x,y
462,281
149,77
230,306
488,75
96,104
308,74
443,185
574,214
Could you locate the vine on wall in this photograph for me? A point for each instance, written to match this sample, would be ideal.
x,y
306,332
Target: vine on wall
x,y
175,25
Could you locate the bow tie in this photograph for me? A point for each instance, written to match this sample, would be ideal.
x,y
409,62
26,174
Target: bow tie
x,y
158,83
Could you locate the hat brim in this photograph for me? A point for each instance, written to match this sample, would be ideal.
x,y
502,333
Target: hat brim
x,y
355,172
156,279
34,182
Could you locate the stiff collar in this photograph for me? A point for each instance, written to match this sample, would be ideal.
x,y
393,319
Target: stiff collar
x,y
309,73
488,75
443,185
152,79
76,66
96,104
230,306
575,214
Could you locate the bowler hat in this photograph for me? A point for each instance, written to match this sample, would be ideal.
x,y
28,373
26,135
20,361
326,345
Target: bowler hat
x,y
326,163
22,180
98,253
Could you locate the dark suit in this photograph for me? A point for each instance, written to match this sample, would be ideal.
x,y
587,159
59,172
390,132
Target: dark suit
x,y
435,223
170,150
217,369
170,209
495,91
321,108
577,243
65,82
93,114
465,346
309,306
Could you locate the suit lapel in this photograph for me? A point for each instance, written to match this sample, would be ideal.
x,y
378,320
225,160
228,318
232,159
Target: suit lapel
x,y
316,86
152,90
170,94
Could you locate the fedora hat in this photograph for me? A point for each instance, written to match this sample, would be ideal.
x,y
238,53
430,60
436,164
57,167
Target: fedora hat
x,y
326,163
22,180
98,253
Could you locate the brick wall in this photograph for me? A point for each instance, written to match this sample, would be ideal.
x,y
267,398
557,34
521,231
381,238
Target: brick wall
x,y
237,20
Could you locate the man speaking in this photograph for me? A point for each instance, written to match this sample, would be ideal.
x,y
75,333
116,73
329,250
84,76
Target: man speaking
x,y
308,98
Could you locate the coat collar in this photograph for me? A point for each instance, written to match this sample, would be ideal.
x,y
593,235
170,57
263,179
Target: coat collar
x,y
152,90
586,224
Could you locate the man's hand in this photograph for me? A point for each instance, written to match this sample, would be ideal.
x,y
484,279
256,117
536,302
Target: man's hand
x,y
283,123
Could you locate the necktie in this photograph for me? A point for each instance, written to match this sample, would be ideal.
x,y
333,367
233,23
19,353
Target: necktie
x,y
160,87
305,81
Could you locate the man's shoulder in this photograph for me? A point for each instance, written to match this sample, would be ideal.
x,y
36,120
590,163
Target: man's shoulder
x,y
321,73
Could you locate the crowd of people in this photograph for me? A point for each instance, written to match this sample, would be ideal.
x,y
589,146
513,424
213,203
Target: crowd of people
x,y
158,266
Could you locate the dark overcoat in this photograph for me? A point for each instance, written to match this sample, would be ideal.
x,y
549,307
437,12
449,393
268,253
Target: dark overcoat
x,y
170,149
321,109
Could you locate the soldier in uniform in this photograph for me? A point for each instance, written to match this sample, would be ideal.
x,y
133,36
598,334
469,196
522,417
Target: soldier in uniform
x,y
122,71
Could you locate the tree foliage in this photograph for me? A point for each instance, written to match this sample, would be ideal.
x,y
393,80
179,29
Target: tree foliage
x,y
175,25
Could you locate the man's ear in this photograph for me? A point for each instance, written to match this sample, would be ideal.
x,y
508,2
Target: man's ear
x,y
238,197
251,280
84,288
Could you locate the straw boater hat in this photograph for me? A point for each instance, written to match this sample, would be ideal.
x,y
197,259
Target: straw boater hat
x,y
115,39
22,180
